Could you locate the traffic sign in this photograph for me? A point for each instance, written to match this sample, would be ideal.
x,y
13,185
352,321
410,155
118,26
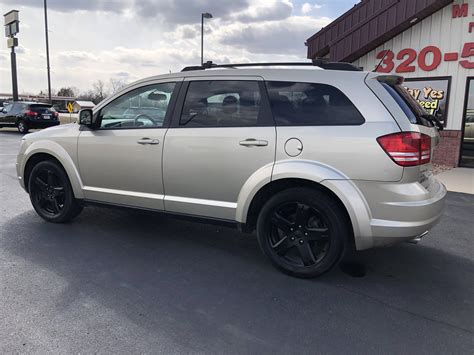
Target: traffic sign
x,y
69,107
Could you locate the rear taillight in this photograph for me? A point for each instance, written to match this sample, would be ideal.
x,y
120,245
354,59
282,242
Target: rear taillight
x,y
30,113
55,114
407,148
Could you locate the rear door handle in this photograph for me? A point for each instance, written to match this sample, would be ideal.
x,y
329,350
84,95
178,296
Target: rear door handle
x,y
148,141
252,142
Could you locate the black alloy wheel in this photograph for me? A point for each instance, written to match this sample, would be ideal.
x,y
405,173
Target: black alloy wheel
x,y
303,231
22,127
299,234
51,193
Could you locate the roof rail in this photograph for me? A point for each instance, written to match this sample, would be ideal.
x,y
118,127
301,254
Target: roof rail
x,y
321,63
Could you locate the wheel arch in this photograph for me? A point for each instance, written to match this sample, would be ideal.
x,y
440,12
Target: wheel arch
x,y
51,151
311,175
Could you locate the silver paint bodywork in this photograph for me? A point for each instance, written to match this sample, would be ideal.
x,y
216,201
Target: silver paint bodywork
x,y
208,172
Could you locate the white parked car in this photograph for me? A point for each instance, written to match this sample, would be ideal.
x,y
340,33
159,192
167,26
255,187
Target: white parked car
x,y
318,162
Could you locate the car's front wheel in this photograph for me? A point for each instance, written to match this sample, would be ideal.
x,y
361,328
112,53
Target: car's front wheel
x,y
51,193
22,127
303,231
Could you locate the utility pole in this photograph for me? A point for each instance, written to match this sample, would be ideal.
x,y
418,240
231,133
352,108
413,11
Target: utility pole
x,y
14,77
12,27
47,49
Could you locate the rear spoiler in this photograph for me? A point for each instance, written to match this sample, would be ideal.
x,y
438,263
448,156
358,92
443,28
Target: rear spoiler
x,y
41,104
391,79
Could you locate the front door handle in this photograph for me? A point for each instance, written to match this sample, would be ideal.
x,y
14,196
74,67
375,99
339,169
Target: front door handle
x,y
252,142
148,141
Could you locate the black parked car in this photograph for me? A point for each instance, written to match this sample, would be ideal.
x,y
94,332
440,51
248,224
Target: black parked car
x,y
26,115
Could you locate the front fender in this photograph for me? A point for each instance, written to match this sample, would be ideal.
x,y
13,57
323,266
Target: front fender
x,y
56,150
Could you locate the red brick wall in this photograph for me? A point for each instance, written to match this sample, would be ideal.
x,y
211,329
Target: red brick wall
x,y
447,151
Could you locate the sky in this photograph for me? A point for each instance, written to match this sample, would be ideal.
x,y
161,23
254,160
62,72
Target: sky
x,y
93,40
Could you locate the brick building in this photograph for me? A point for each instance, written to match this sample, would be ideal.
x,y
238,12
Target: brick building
x,y
430,43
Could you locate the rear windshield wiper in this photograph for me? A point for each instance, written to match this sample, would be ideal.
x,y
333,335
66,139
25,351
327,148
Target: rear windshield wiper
x,y
434,120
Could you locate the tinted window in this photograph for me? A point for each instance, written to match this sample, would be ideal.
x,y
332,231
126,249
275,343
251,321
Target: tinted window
x,y
142,107
309,104
16,108
41,108
408,104
8,107
221,104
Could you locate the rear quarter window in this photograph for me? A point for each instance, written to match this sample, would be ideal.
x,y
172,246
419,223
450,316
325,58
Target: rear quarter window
x,y
311,104
410,107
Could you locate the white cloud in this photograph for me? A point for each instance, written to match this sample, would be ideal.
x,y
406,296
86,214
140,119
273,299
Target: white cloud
x,y
103,39
306,8
75,5
175,12
272,37
265,10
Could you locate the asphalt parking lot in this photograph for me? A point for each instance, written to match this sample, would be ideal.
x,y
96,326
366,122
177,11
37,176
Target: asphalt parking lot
x,y
117,281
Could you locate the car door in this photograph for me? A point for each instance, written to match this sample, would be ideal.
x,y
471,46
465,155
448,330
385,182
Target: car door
x,y
120,161
12,110
222,135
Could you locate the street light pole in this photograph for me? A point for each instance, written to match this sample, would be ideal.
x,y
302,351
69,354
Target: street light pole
x,y
47,49
14,77
203,16
12,27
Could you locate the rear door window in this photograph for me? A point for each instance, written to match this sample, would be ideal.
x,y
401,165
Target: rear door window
x,y
311,104
221,103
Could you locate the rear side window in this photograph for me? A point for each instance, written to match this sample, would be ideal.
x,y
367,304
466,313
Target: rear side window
x,y
408,104
310,104
16,108
221,103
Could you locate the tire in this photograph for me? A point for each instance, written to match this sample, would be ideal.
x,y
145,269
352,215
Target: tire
x,y
22,126
303,231
51,193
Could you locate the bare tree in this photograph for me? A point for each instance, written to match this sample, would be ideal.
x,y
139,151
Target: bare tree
x,y
116,84
98,88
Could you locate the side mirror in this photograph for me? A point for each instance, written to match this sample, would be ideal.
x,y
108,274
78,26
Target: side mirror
x,y
85,117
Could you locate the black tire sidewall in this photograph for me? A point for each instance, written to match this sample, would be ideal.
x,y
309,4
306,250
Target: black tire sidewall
x,y
329,209
71,207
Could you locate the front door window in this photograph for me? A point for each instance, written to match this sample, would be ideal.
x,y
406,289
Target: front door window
x,y
144,107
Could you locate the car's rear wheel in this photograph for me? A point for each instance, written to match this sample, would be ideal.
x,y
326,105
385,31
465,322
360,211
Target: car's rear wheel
x,y
51,193
303,231
22,127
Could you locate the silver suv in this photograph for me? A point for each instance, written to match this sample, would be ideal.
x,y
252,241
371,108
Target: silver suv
x,y
318,162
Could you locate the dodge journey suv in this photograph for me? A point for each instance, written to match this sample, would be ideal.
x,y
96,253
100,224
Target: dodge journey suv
x,y
318,161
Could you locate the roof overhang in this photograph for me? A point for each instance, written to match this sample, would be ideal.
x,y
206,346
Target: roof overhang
x,y
367,25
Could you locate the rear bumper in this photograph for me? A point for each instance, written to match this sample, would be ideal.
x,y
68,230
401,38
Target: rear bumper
x,y
42,123
400,211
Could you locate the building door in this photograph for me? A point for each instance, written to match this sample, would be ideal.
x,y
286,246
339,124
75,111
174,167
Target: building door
x,y
467,144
